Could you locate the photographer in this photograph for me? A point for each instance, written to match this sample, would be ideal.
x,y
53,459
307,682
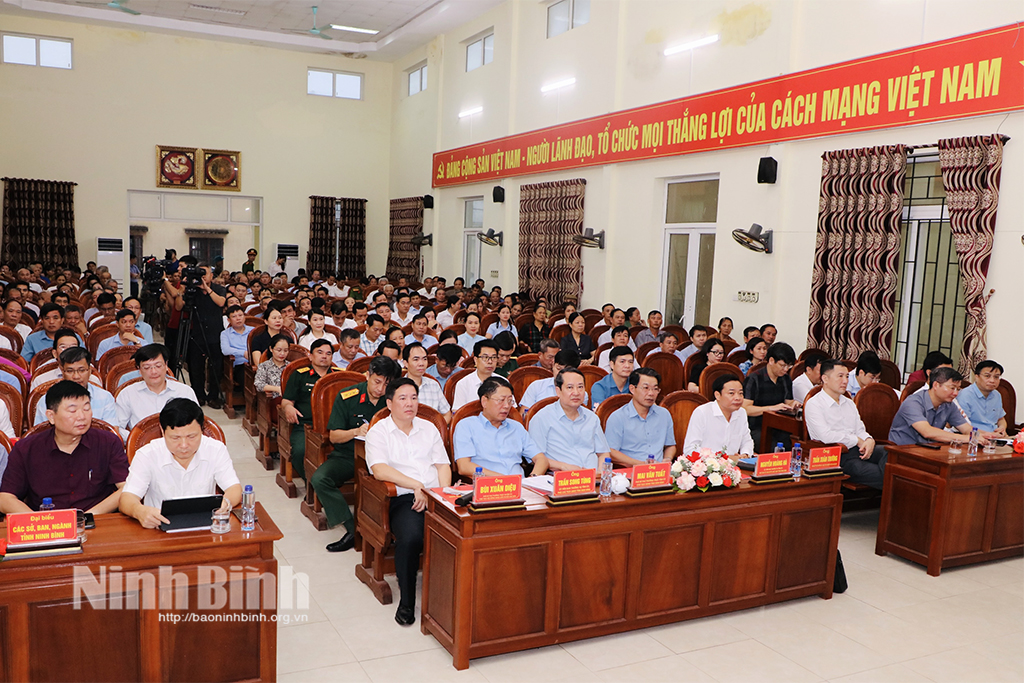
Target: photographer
x,y
205,361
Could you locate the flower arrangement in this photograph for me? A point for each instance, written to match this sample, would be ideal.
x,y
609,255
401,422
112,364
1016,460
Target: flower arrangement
x,y
703,470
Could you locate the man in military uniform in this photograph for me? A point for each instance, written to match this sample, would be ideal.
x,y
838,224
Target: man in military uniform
x,y
295,400
353,410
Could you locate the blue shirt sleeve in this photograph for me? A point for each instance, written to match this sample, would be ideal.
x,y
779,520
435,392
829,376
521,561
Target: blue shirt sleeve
x,y
462,445
614,429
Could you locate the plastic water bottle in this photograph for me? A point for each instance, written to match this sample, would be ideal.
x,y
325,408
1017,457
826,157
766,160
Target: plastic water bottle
x,y
779,448
248,509
972,445
651,459
796,464
606,477
47,505
477,474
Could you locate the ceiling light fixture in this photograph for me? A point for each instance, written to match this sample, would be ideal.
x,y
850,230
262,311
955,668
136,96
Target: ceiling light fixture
x,y
558,84
219,10
470,112
691,45
353,29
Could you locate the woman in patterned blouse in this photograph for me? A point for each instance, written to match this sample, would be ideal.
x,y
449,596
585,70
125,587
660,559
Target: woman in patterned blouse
x,y
268,373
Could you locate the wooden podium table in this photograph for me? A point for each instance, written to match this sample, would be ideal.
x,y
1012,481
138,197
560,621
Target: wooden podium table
x,y
43,637
497,582
941,510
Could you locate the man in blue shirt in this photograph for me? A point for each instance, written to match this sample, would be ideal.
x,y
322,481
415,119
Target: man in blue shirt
x,y
142,327
982,401
923,416
52,318
234,341
126,334
448,358
75,366
491,441
616,381
567,433
640,428
540,389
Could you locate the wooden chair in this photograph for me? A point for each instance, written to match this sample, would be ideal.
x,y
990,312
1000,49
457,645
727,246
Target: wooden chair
x,y
523,377
591,376
680,405
679,331
249,375
453,379
468,362
373,515
911,388
807,352
15,379
601,349
693,361
850,365
591,320
266,417
486,321
115,357
470,409
527,359
39,359
13,337
44,368
596,333
891,374
523,319
14,358
610,405
730,345
360,364
534,409
587,311
797,369
318,442
457,328
119,374
148,429
32,403
670,368
96,424
15,408
713,372
284,433
98,321
94,338
558,333
877,405
5,443
635,331
740,355
644,350
755,367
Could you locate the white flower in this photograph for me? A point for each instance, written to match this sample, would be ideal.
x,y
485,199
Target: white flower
x,y
715,478
713,465
677,468
685,481
706,453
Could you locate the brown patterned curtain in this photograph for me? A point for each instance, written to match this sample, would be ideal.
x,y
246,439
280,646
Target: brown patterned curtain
x,y
347,239
549,262
39,222
406,222
853,286
971,169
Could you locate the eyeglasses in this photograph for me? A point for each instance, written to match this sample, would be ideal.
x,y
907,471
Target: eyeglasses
x,y
716,352
487,357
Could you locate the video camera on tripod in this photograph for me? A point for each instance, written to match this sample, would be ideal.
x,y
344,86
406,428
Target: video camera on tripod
x,y
154,270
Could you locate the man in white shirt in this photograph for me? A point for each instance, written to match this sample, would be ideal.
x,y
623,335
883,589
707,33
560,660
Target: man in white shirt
x,y
182,464
620,337
428,289
407,451
485,354
430,392
721,425
618,317
833,418
403,310
540,389
810,377
698,335
445,318
149,396
334,290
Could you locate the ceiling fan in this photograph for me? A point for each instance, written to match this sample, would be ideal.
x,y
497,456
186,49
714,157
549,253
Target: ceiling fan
x,y
314,31
121,5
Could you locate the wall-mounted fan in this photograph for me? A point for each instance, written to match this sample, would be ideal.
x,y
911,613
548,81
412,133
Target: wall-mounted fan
x,y
590,239
754,239
423,240
121,5
319,32
491,238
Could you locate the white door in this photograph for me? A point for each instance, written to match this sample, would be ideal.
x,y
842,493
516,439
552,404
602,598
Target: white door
x,y
687,274
471,249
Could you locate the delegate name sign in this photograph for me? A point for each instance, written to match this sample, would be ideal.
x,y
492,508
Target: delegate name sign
x,y
972,75
772,464
650,476
824,458
574,483
497,489
29,528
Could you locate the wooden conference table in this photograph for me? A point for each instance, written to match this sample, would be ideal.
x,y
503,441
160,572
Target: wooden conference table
x,y
941,510
44,638
497,582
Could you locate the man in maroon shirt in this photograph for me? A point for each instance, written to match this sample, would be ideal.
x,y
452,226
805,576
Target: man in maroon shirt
x,y
76,466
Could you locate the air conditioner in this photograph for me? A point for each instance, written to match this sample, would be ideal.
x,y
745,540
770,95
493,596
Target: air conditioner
x,y
110,253
291,253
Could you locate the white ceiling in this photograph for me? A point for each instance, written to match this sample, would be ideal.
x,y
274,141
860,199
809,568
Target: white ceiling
x,y
403,25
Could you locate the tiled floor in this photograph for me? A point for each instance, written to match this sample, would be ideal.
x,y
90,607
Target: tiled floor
x,y
895,623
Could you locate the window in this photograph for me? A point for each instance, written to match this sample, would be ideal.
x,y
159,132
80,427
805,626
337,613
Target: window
x,y
930,310
334,84
567,14
206,249
418,79
688,261
36,51
480,52
473,222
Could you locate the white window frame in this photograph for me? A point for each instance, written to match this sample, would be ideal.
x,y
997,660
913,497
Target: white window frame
x,y
37,39
480,39
694,230
572,17
334,82
419,74
470,232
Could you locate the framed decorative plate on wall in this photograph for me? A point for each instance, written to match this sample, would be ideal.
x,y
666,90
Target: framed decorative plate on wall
x,y
176,167
222,170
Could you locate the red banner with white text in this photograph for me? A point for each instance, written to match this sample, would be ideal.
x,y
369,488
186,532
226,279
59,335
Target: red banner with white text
x,y
973,75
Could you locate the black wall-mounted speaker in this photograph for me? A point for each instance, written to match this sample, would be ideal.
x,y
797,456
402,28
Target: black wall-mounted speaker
x,y
428,201
767,170
498,194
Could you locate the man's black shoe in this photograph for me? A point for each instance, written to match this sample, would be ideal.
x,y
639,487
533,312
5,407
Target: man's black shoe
x,y
215,403
405,616
346,543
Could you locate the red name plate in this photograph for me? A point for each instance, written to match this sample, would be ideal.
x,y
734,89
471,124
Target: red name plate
x,y
649,476
772,464
574,483
824,458
26,528
498,489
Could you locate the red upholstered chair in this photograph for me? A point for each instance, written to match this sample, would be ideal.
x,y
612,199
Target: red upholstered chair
x,y
877,405
646,348
713,372
534,409
453,379
670,368
148,428
523,377
591,376
1010,406
610,405
909,389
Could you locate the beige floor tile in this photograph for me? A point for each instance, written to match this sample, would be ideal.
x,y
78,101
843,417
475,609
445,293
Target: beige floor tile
x,y
764,621
664,670
697,634
373,633
342,673
540,665
894,673
823,651
915,576
839,609
431,665
310,646
606,652
897,639
748,662
885,593
993,573
966,665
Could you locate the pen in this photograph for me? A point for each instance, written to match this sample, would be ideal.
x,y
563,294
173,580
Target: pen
x,y
90,475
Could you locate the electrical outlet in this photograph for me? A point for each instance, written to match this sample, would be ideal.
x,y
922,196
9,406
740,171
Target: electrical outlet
x,y
494,273
747,297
